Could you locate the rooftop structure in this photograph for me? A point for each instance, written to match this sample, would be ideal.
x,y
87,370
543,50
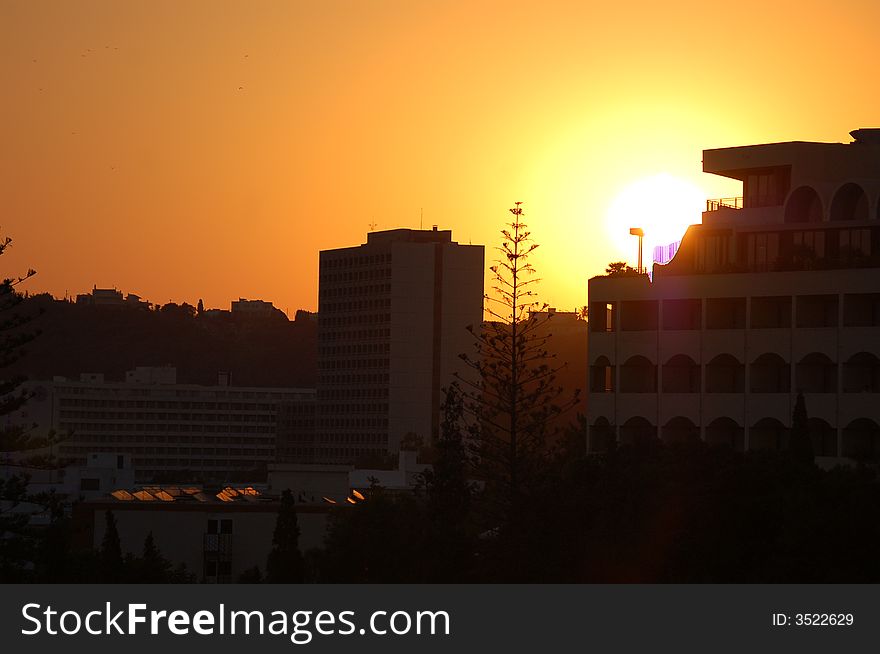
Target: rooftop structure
x,y
111,297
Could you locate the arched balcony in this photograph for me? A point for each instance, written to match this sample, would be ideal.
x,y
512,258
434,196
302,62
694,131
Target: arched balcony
x,y
769,373
823,437
637,431
601,435
602,376
850,203
681,374
861,440
804,206
679,430
768,434
861,374
816,373
725,432
638,375
725,374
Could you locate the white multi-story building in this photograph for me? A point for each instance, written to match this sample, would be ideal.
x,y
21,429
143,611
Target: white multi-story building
x,y
776,293
167,428
392,319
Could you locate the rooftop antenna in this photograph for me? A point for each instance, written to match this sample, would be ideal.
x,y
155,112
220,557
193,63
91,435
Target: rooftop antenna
x,y
372,225
421,217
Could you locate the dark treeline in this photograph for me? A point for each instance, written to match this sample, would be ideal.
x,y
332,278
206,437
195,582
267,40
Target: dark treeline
x,y
54,553
259,352
650,514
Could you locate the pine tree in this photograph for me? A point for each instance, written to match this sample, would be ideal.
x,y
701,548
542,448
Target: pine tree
x,y
510,396
154,568
285,562
112,563
799,443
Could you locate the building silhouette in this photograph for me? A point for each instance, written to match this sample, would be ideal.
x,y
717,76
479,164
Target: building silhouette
x,y
776,293
111,297
168,429
392,321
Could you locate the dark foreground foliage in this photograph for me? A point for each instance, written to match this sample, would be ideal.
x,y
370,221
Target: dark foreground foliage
x,y
648,514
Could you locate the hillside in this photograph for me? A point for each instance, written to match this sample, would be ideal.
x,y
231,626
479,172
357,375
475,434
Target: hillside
x,y
269,351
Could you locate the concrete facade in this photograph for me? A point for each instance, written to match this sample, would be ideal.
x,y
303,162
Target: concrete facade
x,y
392,319
776,293
214,540
167,428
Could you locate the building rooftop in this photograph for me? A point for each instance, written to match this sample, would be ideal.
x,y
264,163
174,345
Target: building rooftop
x,y
814,158
186,494
411,236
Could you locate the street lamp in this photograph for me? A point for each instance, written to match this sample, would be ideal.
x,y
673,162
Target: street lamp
x,y
638,231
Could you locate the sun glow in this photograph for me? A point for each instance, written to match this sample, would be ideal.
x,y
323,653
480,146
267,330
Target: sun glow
x,y
663,205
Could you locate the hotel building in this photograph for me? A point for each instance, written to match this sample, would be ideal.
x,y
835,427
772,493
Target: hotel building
x,y
392,319
166,428
776,293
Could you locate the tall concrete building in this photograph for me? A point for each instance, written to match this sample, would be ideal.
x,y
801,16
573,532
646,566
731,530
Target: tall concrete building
x,y
776,293
392,316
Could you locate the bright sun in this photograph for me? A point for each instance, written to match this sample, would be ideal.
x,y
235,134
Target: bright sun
x,y
663,205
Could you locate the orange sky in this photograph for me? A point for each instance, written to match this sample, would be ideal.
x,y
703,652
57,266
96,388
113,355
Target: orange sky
x,y
184,150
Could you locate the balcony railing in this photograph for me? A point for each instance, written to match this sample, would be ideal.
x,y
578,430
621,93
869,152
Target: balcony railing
x,y
724,203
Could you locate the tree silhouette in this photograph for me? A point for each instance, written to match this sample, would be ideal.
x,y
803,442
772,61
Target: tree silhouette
x,y
620,269
449,494
251,576
112,563
16,544
448,490
509,396
799,443
13,337
285,562
154,568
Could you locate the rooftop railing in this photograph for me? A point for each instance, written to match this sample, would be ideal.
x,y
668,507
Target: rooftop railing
x,y
724,203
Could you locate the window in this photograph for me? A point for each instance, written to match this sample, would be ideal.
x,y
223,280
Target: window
x,y
682,314
638,315
816,311
712,252
602,376
725,313
762,250
89,484
601,317
223,526
855,242
771,312
764,189
861,310
809,242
